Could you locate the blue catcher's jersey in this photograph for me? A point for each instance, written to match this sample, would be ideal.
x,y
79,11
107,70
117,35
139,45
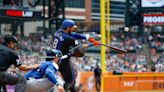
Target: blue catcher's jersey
x,y
64,41
47,68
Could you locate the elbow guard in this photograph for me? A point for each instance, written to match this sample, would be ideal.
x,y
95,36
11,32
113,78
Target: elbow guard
x,y
77,51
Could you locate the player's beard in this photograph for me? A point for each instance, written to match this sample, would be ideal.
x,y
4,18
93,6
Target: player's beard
x,y
69,31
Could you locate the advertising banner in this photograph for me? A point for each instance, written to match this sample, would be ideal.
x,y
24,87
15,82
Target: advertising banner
x,y
152,3
156,19
127,82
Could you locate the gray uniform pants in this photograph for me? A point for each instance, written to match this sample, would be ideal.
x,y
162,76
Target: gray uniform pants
x,y
38,85
13,79
42,85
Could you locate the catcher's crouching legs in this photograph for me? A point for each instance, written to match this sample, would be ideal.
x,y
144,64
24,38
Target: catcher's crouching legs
x,y
21,84
70,86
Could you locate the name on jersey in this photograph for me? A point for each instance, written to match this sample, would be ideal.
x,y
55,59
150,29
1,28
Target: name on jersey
x,y
58,34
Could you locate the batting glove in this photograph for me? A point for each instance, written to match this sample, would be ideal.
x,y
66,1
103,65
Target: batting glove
x,y
93,41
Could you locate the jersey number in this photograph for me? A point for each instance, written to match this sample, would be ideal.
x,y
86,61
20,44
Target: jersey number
x,y
55,43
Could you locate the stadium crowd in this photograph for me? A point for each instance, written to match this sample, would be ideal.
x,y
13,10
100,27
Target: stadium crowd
x,y
32,50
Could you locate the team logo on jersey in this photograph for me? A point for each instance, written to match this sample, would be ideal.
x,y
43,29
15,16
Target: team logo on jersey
x,y
76,42
18,62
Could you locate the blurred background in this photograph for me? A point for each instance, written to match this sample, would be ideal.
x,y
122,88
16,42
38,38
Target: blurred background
x,y
134,25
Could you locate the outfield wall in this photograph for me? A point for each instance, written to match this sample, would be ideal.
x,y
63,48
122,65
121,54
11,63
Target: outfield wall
x,y
127,82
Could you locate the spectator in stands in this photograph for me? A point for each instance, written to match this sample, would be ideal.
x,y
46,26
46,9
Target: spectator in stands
x,y
153,69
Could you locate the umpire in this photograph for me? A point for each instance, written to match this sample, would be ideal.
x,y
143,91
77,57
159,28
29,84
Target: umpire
x,y
9,57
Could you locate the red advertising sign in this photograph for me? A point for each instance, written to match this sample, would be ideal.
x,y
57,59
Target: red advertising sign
x,y
14,13
19,13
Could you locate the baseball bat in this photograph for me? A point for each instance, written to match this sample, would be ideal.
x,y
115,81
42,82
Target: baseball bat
x,y
114,48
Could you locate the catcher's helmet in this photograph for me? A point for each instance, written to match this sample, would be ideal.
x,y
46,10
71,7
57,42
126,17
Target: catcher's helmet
x,y
10,38
68,23
53,52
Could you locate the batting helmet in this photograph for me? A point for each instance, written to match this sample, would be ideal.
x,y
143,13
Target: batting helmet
x,y
10,38
68,23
